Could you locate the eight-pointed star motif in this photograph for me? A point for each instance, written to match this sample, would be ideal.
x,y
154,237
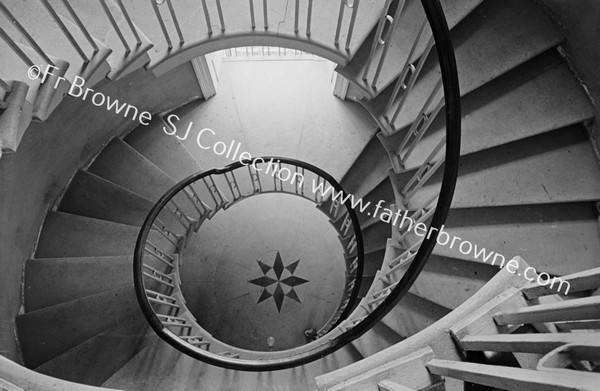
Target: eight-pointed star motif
x,y
278,294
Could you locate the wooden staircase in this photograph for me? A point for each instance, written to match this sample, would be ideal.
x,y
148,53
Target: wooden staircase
x,y
523,116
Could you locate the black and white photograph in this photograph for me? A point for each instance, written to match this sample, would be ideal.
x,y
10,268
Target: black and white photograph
x,y
299,195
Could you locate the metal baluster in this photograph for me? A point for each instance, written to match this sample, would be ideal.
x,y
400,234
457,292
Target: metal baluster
x,y
25,34
221,19
112,20
200,206
388,42
402,82
160,255
130,22
346,225
214,191
65,31
413,79
79,24
426,120
352,22
252,19
255,177
207,17
233,186
266,14
384,17
181,216
165,232
351,245
13,45
404,258
296,16
175,21
163,27
333,208
422,118
423,213
319,194
336,41
160,298
300,184
309,17
424,172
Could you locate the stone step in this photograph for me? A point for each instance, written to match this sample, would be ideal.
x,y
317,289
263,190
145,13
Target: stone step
x,y
44,334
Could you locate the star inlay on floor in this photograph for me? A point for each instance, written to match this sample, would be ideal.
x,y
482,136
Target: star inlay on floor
x,y
278,269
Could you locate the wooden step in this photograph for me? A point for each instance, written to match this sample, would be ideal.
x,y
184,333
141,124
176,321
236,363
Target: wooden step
x,y
368,170
495,114
376,339
106,353
450,282
407,369
520,31
92,196
67,235
544,235
144,371
383,193
514,379
51,281
559,166
46,333
413,314
402,37
339,359
524,343
375,236
124,166
164,151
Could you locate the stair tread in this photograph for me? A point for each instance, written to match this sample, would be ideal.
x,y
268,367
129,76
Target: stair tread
x,y
105,352
539,96
520,31
92,196
141,175
559,166
67,235
368,170
51,281
545,236
402,37
49,332
143,371
450,282
375,236
165,151
413,314
376,339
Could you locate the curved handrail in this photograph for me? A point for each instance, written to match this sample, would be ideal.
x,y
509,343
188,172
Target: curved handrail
x,y
160,206
344,335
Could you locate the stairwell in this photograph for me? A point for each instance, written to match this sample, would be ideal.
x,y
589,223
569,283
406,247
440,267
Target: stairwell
x,y
81,183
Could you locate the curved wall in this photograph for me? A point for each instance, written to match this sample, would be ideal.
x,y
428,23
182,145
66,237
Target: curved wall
x,y
31,180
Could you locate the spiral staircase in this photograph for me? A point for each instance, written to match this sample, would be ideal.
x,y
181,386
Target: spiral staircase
x,y
79,185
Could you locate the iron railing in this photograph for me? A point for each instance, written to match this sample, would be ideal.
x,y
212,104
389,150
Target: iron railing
x,y
176,217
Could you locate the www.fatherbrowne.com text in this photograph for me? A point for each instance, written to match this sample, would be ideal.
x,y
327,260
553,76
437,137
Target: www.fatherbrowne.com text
x,y
398,218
